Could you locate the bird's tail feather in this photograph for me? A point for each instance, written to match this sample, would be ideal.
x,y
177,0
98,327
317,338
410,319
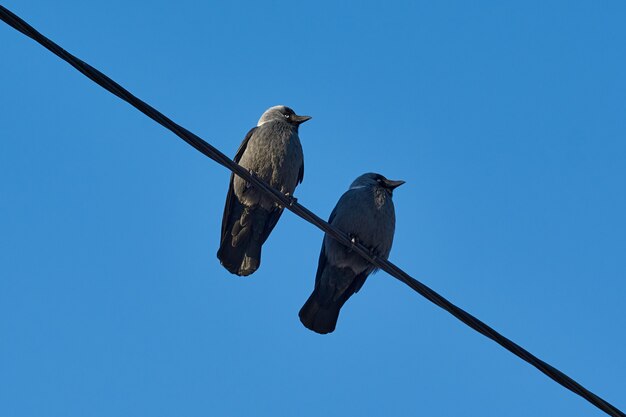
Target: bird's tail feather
x,y
317,317
240,248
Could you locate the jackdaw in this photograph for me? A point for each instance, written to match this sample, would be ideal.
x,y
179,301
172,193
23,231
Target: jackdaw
x,y
272,151
366,213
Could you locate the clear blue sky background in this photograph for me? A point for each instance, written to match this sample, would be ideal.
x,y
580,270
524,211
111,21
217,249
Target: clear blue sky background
x,y
508,122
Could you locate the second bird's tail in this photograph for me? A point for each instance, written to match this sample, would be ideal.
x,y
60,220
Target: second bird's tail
x,y
317,317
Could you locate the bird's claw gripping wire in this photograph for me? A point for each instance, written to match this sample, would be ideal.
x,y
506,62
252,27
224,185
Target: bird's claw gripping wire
x,y
355,242
292,200
253,175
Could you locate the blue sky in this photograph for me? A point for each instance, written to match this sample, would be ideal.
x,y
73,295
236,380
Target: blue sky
x,y
506,120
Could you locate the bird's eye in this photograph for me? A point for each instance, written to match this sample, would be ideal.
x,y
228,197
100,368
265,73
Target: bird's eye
x,y
286,116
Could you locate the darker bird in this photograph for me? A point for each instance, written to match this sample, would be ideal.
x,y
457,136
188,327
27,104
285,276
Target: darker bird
x,y
273,152
366,213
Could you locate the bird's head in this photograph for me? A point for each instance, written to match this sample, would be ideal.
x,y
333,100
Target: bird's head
x,y
282,113
371,180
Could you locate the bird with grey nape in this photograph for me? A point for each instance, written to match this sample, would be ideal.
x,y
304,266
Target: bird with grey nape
x,y
366,213
271,151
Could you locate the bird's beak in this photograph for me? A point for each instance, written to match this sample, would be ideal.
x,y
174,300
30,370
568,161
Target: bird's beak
x,y
300,119
391,184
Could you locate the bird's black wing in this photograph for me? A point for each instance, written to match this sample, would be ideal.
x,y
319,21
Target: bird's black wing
x,y
230,196
301,173
321,264
243,145
270,222
358,282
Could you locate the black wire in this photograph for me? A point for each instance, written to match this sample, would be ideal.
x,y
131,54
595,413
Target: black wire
x,y
290,203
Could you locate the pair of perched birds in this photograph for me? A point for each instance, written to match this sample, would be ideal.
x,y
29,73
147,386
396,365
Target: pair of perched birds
x,y
272,151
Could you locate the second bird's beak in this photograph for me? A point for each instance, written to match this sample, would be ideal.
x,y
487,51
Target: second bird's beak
x,y
391,184
299,119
